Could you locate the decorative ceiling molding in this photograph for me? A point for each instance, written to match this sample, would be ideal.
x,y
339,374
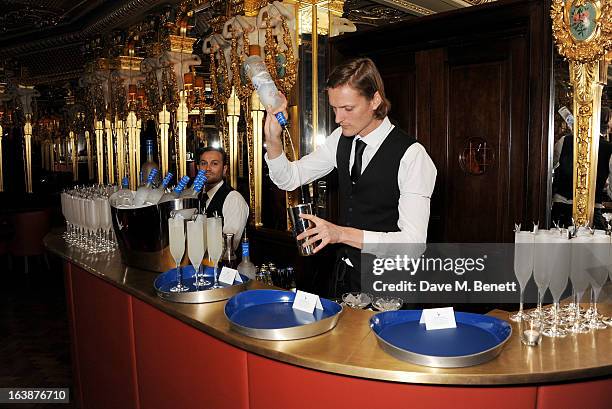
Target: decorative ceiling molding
x,y
96,25
407,6
369,13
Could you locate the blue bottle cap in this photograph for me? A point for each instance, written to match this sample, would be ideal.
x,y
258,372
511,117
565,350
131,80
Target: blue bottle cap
x,y
281,119
124,182
152,175
167,179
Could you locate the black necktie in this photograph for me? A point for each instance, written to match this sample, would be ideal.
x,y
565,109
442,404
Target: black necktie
x,y
203,200
356,169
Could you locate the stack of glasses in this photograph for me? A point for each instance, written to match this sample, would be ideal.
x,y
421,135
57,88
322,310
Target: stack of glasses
x,y
555,258
88,218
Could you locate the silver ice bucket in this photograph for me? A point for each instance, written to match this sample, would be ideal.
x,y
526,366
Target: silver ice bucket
x,y
142,234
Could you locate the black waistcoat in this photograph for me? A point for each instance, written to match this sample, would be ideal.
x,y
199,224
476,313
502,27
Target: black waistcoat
x,y
216,203
371,203
564,174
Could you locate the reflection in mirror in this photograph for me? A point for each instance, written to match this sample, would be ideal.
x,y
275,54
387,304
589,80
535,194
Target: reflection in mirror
x,y
563,152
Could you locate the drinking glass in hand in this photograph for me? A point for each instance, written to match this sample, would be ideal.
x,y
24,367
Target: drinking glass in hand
x,y
176,232
523,266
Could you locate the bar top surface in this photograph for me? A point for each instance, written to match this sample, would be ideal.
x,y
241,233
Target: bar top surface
x,y
351,348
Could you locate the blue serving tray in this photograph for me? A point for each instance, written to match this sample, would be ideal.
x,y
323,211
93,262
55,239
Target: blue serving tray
x,y
201,294
268,314
477,338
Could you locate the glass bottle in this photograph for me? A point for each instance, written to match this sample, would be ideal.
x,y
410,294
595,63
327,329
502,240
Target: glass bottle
x,y
150,163
246,267
228,259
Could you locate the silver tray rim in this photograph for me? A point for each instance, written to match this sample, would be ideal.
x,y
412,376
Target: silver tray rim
x,y
290,333
436,361
202,296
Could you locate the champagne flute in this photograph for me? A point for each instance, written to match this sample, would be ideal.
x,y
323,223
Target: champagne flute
x,y
598,274
214,233
560,259
581,260
542,267
176,232
196,247
523,266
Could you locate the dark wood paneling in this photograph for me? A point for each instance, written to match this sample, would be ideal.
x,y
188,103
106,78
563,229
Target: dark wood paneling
x,y
482,71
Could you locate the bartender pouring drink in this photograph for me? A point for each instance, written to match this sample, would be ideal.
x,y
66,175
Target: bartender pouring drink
x,y
385,176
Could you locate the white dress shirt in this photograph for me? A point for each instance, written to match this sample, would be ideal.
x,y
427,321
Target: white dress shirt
x,y
415,179
235,212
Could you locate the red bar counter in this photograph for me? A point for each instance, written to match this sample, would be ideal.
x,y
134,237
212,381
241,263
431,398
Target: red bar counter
x,y
134,350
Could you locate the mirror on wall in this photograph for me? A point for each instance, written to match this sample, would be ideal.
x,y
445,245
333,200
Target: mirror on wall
x,y
563,151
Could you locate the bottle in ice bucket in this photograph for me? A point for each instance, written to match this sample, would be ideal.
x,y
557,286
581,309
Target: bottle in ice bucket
x,y
157,193
246,267
176,192
143,191
228,259
256,70
123,197
196,187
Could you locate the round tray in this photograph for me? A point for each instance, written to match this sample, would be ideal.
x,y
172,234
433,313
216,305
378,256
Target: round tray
x,y
268,314
477,338
203,294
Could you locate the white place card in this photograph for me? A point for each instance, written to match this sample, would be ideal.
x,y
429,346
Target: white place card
x,y
438,318
229,275
306,302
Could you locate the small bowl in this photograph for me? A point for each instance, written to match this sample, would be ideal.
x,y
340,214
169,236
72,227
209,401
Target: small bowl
x,y
387,304
357,300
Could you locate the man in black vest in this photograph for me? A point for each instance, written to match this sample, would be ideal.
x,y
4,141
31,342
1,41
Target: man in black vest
x,y
386,178
219,197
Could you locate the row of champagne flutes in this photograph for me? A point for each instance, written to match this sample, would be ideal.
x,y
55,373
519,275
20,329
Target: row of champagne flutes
x,y
203,234
555,258
88,218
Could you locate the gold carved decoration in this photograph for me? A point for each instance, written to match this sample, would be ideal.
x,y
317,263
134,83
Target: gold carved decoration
x,y
282,65
569,22
583,33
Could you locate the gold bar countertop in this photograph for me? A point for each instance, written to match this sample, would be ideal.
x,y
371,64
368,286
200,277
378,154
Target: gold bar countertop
x,y
352,349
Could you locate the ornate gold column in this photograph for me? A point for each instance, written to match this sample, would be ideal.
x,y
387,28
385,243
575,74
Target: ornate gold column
x,y
110,151
89,156
233,114
256,158
182,116
120,129
583,33
587,81
133,128
164,126
74,157
27,134
99,127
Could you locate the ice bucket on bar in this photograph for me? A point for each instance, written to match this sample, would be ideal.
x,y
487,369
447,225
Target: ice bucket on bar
x,y
142,234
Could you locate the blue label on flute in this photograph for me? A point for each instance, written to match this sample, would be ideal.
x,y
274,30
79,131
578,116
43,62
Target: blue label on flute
x,y
281,119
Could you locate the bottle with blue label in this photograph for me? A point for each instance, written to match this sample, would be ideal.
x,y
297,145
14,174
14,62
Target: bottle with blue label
x,y
246,267
143,191
256,70
124,197
156,194
176,192
197,186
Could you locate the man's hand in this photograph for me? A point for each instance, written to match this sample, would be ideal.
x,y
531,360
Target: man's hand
x,y
273,130
329,233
